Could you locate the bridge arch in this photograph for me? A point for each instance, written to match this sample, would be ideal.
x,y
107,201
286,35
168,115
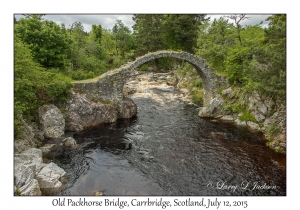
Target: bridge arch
x,y
109,86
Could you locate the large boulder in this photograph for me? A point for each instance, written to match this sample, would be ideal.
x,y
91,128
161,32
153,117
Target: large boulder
x,y
30,137
50,179
52,121
214,109
26,165
127,108
33,177
82,113
69,142
260,108
31,156
25,183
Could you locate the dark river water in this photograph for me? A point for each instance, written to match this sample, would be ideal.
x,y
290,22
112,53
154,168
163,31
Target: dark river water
x,y
168,150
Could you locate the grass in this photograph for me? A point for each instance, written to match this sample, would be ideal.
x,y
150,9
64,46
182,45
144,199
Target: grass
x,y
273,130
193,82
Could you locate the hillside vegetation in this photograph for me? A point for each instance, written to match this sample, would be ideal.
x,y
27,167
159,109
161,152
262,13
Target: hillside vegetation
x,y
48,56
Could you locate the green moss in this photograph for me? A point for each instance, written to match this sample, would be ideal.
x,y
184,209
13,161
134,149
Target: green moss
x,y
247,117
221,90
63,110
17,192
278,149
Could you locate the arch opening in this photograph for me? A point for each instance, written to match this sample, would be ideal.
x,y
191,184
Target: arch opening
x,y
109,86
173,72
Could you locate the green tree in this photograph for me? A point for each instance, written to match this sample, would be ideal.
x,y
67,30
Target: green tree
x,y
237,19
241,60
214,41
48,41
180,30
94,43
115,31
78,37
97,33
108,42
269,75
148,33
87,53
124,41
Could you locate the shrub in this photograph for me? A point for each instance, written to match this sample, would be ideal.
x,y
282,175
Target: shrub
x,y
78,75
198,83
143,67
234,108
273,130
247,117
197,97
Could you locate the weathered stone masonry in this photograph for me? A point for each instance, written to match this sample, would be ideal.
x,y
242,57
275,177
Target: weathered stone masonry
x,y
109,86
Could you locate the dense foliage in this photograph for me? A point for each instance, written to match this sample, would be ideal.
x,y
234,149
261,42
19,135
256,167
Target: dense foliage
x,y
34,85
49,56
180,31
155,32
48,41
252,58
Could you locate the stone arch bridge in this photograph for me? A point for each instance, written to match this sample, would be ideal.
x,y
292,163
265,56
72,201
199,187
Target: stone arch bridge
x,y
109,86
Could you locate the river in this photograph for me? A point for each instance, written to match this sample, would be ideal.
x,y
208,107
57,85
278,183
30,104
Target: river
x,y
168,150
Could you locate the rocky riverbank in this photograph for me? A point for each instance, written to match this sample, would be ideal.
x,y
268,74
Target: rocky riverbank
x,y
34,177
255,113
258,115
31,175
252,111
